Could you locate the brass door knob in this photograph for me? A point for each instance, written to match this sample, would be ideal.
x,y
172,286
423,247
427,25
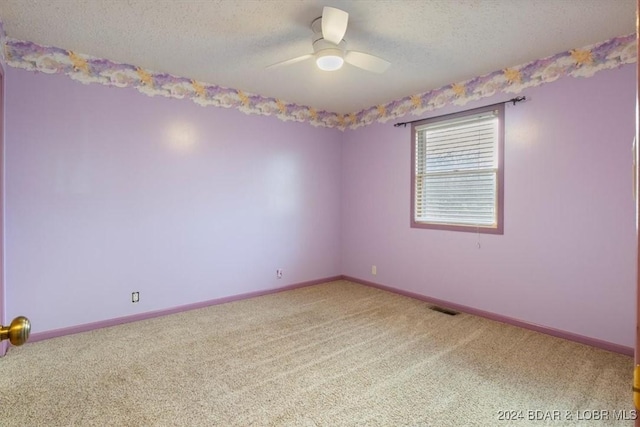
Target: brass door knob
x,y
17,332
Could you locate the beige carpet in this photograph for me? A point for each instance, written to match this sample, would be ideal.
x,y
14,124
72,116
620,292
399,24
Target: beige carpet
x,y
336,354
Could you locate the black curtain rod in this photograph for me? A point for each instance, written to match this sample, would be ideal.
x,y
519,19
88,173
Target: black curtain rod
x,y
514,100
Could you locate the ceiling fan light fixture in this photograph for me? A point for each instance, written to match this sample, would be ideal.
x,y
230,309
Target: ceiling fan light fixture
x,y
330,47
329,59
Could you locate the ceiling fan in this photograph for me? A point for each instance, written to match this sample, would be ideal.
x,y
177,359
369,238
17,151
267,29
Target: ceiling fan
x,y
329,47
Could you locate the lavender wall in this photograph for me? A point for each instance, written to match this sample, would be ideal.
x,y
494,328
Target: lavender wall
x,y
567,256
109,191
3,344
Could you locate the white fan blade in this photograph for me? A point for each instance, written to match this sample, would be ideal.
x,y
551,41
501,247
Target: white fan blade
x,y
334,24
290,61
366,61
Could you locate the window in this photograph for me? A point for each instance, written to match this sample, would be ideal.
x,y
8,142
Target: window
x,y
458,170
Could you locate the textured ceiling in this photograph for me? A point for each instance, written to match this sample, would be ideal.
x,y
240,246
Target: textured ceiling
x,y
430,43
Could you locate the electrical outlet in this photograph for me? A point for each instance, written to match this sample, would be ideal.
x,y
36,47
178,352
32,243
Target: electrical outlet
x,y
135,296
374,270
279,273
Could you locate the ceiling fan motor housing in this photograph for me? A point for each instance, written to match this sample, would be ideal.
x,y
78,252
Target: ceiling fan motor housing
x,y
320,44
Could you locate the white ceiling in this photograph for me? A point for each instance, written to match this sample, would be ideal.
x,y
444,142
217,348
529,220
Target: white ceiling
x,y
430,43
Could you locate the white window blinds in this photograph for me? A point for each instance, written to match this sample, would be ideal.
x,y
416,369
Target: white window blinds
x,y
456,168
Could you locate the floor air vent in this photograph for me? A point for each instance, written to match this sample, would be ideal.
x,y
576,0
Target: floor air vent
x,y
443,310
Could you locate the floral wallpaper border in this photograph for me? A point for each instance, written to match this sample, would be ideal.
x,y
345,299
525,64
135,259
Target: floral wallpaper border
x,y
582,62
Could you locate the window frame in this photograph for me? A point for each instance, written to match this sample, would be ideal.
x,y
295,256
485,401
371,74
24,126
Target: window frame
x,y
499,227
